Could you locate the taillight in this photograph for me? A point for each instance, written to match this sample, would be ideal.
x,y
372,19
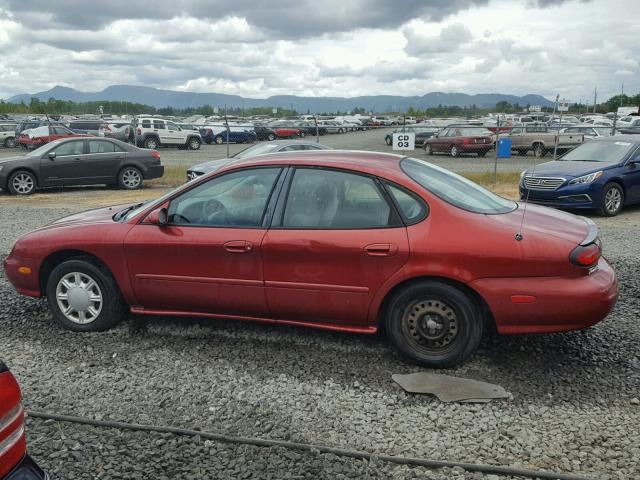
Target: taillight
x,y
586,255
155,154
12,439
139,131
466,141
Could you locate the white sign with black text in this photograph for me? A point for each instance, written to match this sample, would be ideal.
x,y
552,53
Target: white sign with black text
x,y
404,141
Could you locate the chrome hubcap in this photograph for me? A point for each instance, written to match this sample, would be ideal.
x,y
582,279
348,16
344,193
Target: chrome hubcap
x,y
612,200
131,178
454,151
79,298
23,183
431,324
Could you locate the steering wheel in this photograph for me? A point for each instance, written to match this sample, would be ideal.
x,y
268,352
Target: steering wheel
x,y
215,212
182,218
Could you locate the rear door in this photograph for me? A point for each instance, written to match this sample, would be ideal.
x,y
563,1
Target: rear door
x,y
66,167
102,161
334,240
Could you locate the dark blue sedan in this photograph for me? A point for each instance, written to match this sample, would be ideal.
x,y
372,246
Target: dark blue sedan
x,y
601,174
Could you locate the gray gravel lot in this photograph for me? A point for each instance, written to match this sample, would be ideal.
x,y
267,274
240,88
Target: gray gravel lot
x,y
372,140
573,406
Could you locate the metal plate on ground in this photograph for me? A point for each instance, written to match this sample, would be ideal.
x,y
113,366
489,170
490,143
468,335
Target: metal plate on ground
x,y
450,389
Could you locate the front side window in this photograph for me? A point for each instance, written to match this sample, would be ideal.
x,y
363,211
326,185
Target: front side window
x,y
172,126
325,199
236,199
454,189
69,148
97,146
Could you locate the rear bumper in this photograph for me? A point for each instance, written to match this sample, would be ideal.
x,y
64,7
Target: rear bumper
x,y
474,147
27,469
154,171
561,303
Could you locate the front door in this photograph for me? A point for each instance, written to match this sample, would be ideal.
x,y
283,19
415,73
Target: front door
x,y
65,167
208,258
331,247
630,174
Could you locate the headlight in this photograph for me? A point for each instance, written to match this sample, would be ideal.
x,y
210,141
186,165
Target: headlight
x,y
0,168
586,178
522,174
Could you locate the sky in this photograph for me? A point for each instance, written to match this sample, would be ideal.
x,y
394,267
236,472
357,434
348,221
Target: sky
x,y
324,47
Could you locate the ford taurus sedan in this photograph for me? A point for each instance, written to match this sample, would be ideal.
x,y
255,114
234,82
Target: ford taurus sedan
x,y
80,161
460,140
349,241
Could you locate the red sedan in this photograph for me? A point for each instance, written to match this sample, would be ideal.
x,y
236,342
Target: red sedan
x,y
37,137
350,241
458,140
288,132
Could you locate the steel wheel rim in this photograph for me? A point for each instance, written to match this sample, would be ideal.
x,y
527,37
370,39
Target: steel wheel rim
x,y
454,151
194,144
79,298
612,200
23,183
11,143
430,325
131,178
151,144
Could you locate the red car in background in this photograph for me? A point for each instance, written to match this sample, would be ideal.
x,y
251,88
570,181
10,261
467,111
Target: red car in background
x,y
37,137
350,241
15,464
459,140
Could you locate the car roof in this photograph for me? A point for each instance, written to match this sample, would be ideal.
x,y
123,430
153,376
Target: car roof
x,y
625,138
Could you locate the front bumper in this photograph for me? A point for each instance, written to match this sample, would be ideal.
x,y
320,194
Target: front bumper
x,y
561,303
567,196
24,283
27,469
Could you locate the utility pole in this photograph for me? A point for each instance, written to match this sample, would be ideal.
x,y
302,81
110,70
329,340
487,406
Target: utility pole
x,y
226,122
595,98
615,115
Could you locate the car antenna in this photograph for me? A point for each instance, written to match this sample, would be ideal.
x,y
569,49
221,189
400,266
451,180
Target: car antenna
x,y
519,236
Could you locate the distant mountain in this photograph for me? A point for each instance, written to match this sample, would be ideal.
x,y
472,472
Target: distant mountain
x,y
377,103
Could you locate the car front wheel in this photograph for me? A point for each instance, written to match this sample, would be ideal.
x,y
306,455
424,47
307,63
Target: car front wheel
x,y
428,149
454,151
612,200
434,324
84,297
22,182
271,137
10,142
194,144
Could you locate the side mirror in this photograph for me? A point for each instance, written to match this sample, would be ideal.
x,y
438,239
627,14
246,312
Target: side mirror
x,y
158,217
52,155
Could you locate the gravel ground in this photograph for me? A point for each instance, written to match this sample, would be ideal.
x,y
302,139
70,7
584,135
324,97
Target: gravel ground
x,y
573,408
372,140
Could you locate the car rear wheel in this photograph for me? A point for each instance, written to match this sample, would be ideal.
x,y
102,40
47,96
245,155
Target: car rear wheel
x,y
482,153
194,144
84,297
151,143
388,140
428,149
302,134
10,142
271,137
22,182
612,200
434,324
130,178
219,140
539,151
454,151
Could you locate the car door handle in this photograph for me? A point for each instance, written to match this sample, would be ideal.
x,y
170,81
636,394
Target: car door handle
x,y
381,249
238,246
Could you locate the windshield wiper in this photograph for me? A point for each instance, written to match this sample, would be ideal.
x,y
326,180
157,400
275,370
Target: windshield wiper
x,y
122,213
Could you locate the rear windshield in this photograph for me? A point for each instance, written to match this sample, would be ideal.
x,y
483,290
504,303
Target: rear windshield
x,y
606,152
454,189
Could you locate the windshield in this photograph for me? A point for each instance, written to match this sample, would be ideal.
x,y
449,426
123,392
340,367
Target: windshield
x,y
605,152
259,149
454,189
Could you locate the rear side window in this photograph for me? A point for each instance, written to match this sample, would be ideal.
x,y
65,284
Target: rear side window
x,y
97,146
411,207
158,125
330,199
454,189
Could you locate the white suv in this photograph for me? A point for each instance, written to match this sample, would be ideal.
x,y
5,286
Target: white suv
x,y
152,132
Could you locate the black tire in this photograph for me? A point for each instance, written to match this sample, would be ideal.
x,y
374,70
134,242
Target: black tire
x,y
130,178
194,143
388,140
10,142
302,134
428,149
151,143
219,140
452,336
539,151
454,151
522,151
22,182
271,137
612,200
340,130
482,154
110,309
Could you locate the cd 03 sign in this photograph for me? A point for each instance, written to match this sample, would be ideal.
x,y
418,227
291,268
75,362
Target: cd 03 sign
x,y
404,141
